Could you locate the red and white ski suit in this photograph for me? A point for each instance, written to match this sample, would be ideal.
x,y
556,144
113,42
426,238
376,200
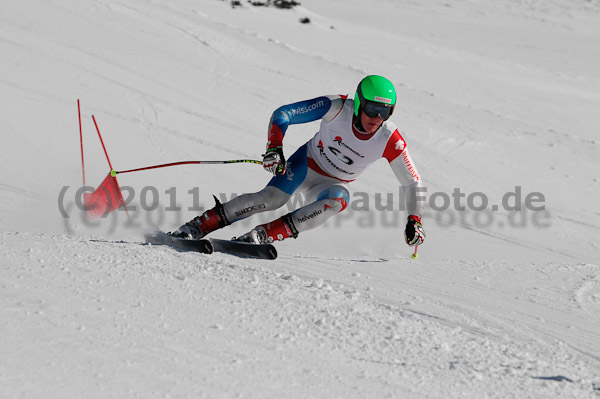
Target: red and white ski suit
x,y
324,166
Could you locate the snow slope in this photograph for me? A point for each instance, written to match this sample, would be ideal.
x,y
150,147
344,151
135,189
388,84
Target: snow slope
x,y
492,96
97,318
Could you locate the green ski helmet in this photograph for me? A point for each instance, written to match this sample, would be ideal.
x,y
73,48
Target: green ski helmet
x,y
375,95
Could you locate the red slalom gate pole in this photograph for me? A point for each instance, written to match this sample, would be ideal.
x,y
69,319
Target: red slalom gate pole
x,y
110,166
81,141
102,142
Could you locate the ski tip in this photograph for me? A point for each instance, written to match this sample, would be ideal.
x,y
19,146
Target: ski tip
x,y
272,252
207,247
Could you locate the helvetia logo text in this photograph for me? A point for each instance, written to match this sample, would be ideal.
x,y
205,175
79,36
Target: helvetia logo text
x,y
311,216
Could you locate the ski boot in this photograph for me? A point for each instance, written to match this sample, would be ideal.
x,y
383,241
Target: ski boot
x,y
277,230
200,226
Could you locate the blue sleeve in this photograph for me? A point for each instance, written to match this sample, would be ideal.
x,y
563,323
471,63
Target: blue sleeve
x,y
291,114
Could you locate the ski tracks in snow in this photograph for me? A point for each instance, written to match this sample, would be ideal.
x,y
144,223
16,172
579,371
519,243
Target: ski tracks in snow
x,y
587,294
134,314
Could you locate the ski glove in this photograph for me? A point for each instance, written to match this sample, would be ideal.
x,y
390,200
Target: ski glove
x,y
274,161
414,233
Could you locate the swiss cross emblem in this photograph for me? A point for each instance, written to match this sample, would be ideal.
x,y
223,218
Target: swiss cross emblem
x,y
394,147
399,145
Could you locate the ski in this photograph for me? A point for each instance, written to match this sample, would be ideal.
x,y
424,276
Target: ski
x,y
244,249
160,238
210,245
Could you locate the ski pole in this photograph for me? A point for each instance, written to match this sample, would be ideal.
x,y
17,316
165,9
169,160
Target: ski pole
x,y
113,173
415,255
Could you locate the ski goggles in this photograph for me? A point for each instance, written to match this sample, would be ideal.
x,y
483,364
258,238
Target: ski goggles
x,y
373,109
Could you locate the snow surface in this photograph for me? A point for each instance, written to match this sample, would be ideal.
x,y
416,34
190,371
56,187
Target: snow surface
x,y
492,96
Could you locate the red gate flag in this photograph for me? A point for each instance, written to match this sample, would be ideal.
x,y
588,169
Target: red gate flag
x,y
105,199
107,196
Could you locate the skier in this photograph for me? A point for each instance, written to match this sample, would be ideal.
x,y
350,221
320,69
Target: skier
x,y
353,134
